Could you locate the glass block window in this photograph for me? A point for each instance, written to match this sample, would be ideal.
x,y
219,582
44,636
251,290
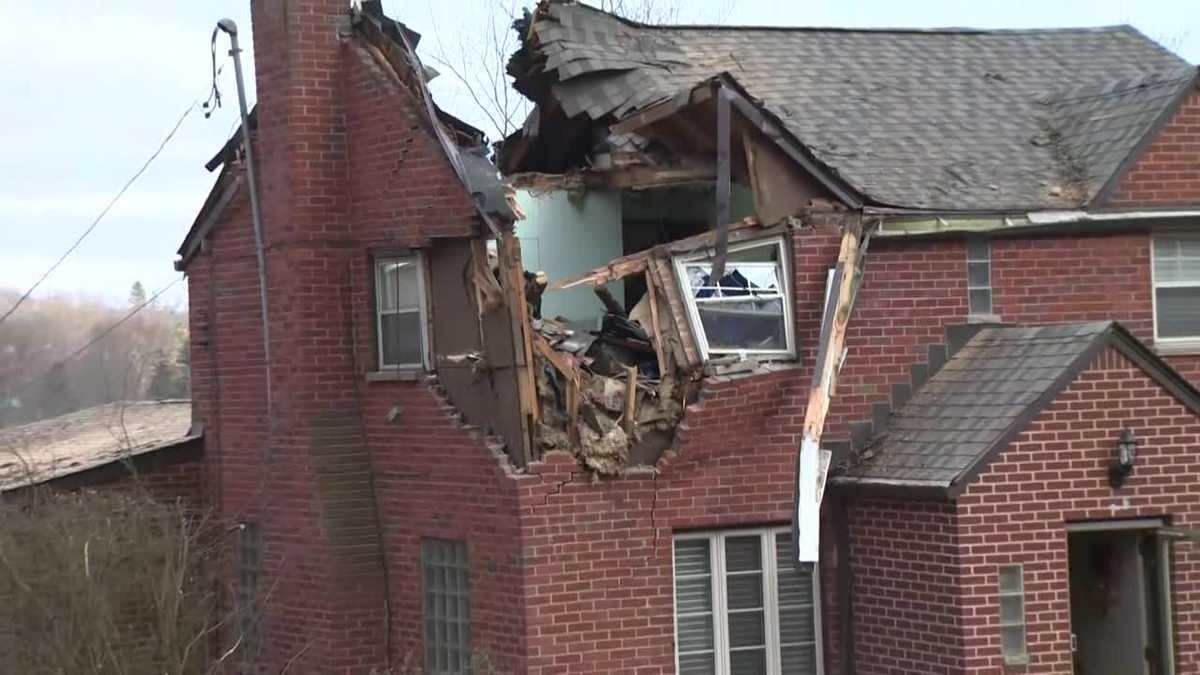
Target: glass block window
x,y
400,312
447,607
741,608
249,563
1177,288
979,277
1012,614
747,310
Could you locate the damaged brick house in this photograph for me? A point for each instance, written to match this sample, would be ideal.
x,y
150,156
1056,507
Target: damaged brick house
x,y
460,453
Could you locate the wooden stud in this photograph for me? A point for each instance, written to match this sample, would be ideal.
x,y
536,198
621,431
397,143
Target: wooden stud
x,y
631,379
655,324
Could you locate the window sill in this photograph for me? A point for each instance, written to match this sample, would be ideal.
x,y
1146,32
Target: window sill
x,y
984,318
396,375
1016,660
1178,348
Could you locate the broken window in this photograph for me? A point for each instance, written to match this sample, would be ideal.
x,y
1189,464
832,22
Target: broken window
x,y
748,310
741,607
400,312
447,607
1177,288
979,277
1012,614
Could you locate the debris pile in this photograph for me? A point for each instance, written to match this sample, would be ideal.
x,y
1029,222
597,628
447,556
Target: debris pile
x,y
614,395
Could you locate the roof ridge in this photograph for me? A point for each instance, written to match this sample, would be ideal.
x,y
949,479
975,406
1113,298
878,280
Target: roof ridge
x,y
937,30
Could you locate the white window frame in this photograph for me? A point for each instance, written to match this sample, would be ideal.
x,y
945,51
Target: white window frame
x,y
1023,624
422,311
1189,342
785,279
716,552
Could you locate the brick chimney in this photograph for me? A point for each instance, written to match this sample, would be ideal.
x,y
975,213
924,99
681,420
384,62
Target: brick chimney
x,y
322,554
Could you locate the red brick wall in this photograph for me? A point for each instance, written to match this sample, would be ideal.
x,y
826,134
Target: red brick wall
x,y
342,496
1168,171
913,289
598,578
1055,472
904,557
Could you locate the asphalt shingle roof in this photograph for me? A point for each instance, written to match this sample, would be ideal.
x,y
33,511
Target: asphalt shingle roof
x,y
939,119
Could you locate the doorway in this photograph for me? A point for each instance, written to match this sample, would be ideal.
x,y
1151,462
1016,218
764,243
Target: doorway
x,y
1119,597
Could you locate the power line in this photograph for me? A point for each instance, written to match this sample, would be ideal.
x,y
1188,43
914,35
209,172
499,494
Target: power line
x,y
100,217
100,336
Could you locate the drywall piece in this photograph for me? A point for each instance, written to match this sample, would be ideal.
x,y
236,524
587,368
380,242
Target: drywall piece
x,y
564,234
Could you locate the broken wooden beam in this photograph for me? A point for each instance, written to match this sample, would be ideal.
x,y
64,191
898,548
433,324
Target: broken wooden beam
x,y
830,353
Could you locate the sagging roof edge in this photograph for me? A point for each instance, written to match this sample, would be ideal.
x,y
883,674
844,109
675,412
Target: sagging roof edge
x,y
222,194
184,449
1116,336
1148,137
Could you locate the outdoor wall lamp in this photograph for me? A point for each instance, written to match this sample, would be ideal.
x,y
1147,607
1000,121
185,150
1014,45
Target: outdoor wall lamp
x,y
1126,456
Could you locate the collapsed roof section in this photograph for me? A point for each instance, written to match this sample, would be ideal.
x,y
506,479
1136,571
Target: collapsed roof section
x,y
952,119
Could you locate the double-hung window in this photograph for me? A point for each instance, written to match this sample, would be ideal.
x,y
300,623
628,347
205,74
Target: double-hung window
x,y
400,312
1177,289
748,310
447,607
741,608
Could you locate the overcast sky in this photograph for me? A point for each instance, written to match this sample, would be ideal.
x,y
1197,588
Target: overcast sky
x,y
89,93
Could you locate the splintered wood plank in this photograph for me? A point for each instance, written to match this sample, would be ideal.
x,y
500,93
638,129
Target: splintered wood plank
x,y
656,324
830,352
631,378
513,283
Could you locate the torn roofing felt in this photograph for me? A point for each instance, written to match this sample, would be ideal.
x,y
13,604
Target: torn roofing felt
x,y
987,393
939,119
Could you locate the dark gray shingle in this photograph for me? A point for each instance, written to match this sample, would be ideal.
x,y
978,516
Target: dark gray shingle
x,y
955,119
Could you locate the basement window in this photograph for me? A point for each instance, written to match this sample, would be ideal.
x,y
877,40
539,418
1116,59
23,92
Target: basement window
x,y
741,607
1012,615
400,312
1177,289
747,311
979,279
447,607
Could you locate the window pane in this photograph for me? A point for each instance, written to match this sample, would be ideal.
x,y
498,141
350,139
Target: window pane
x,y
748,662
1012,641
696,664
979,249
691,556
1178,312
693,595
695,633
796,624
794,587
744,591
398,285
1011,610
981,301
739,280
979,275
743,554
746,629
744,324
799,660
1010,579
401,338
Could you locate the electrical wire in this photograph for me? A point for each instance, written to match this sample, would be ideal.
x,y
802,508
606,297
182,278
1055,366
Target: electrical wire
x,y
100,217
97,338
